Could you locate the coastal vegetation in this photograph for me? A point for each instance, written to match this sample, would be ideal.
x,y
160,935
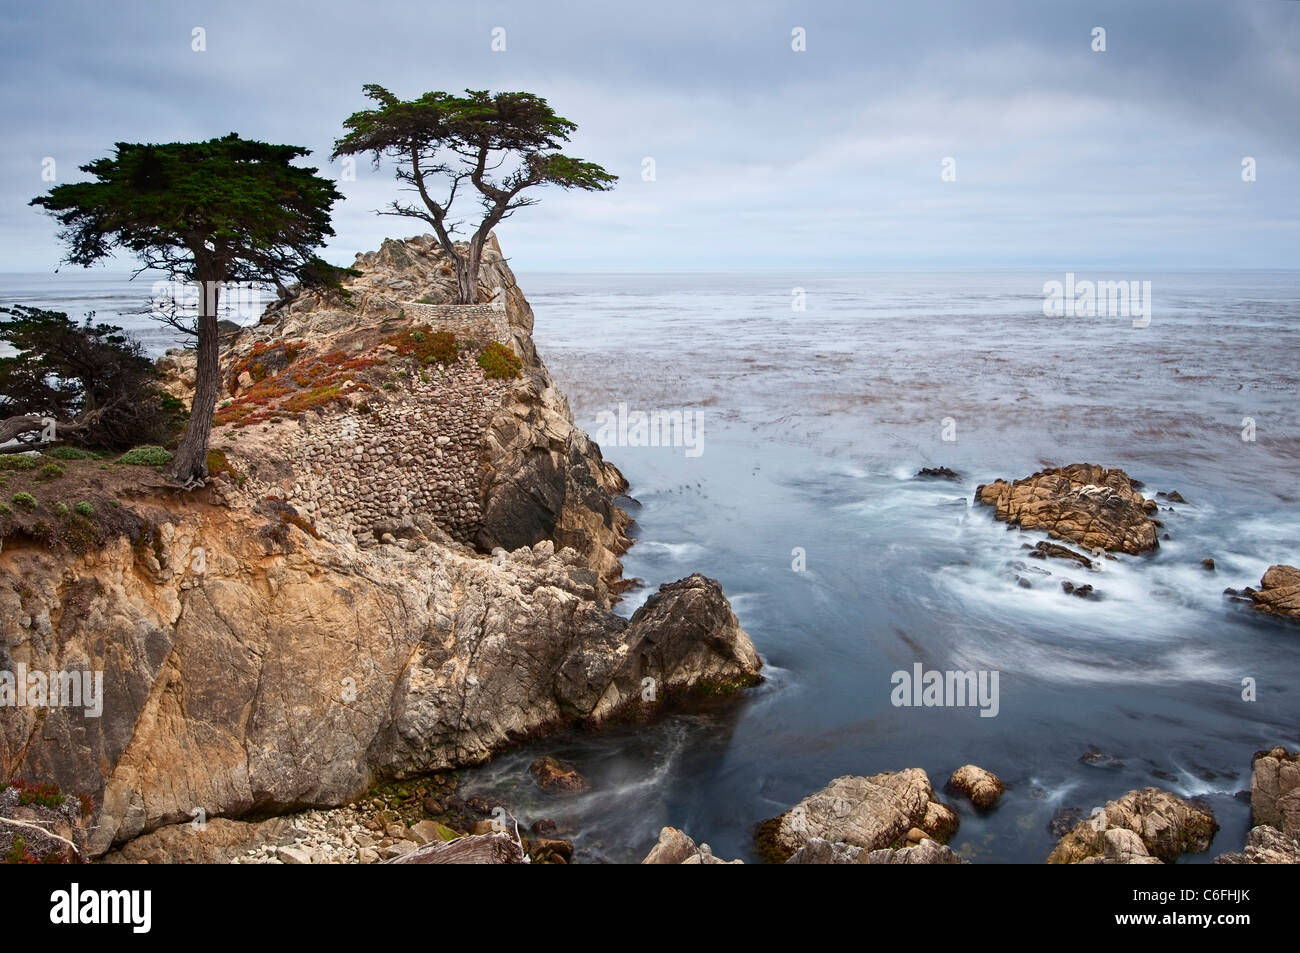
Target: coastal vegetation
x,y
442,141
225,210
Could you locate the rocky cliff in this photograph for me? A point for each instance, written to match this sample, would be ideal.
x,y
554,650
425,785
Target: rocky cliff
x,y
330,610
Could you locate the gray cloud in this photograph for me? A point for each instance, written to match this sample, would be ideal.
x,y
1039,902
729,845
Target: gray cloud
x,y
765,157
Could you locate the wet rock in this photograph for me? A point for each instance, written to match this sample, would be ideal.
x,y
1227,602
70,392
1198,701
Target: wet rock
x,y
1046,550
938,473
820,851
1275,790
557,777
1265,845
869,812
1166,825
1064,820
1207,564
1083,592
1173,496
676,847
983,788
544,826
1279,592
1083,503
1121,846
1097,758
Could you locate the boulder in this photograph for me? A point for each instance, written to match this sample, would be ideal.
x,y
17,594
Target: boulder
x,y
1166,825
938,473
557,777
1083,503
1279,592
1265,845
869,812
1275,790
983,788
819,851
1122,846
676,847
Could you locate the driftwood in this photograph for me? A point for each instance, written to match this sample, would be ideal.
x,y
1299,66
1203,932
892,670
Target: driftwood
x,y
476,849
12,428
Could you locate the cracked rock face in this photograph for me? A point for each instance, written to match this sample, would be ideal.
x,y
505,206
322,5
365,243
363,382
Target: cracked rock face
x,y
295,671
1275,790
341,630
875,813
1279,592
1083,503
1164,823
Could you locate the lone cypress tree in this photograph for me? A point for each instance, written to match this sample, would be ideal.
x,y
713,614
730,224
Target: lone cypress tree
x,y
501,143
225,210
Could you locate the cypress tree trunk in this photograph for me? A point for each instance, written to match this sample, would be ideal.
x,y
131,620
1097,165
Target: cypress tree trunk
x,y
191,463
467,278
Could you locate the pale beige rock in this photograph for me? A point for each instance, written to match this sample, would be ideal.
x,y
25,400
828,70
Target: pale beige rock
x,y
1083,503
983,788
1279,592
871,813
1166,824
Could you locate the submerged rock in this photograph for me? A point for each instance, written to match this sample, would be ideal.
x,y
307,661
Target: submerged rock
x,y
1083,503
938,473
557,777
1164,823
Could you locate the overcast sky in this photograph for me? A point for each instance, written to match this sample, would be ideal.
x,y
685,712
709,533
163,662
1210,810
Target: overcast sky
x,y
764,156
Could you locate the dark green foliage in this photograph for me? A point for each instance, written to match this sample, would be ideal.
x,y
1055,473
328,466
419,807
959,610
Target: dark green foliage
x,y
498,144
499,362
68,370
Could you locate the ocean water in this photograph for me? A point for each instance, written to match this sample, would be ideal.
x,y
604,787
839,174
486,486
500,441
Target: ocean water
x,y
844,569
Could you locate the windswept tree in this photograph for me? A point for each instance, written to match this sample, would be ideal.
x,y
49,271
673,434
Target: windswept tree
x,y
89,384
225,210
497,144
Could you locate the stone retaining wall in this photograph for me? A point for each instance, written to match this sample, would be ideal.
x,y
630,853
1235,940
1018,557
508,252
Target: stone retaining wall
x,y
463,320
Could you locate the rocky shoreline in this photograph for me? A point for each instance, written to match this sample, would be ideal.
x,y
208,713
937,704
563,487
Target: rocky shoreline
x,y
403,566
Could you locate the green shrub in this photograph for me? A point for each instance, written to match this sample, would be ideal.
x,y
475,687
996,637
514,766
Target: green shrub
x,y
4,508
427,346
25,500
499,362
51,471
18,461
71,453
85,509
147,456
61,510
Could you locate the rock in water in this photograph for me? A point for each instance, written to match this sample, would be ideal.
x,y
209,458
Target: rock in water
x,y
1279,592
1083,503
982,787
675,847
938,473
1265,845
1165,824
872,813
341,629
558,777
818,851
1275,790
